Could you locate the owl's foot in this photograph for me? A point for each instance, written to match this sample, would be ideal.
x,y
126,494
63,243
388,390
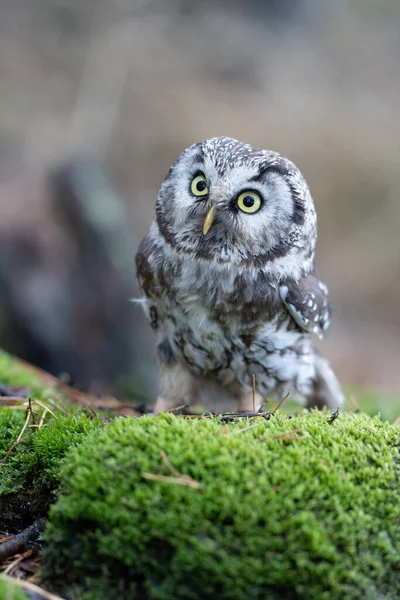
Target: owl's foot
x,y
164,405
326,389
249,402
177,386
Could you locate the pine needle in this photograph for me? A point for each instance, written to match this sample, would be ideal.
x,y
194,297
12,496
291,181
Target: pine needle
x,y
277,407
183,480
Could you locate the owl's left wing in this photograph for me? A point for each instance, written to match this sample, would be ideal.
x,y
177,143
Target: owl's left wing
x,y
307,302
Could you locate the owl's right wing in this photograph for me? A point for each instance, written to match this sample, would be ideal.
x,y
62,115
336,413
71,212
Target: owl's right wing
x,y
147,268
307,302
147,272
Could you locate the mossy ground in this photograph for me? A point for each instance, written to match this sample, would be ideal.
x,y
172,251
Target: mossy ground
x,y
39,454
309,514
30,475
312,515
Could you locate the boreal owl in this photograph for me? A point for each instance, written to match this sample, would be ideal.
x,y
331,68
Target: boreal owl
x,y
229,282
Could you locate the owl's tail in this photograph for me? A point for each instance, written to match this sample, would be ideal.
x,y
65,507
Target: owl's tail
x,y
326,390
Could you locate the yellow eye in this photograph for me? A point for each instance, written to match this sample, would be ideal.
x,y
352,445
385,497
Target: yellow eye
x,y
249,202
199,187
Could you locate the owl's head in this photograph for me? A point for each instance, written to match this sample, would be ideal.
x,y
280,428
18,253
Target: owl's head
x,y
228,202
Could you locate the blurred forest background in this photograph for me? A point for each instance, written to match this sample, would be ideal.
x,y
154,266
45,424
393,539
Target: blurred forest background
x,y
98,97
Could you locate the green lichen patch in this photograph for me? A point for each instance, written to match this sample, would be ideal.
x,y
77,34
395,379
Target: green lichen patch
x,y
168,507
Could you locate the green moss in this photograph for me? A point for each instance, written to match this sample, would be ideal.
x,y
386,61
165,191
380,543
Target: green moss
x,y
316,517
12,373
30,473
10,590
371,401
36,459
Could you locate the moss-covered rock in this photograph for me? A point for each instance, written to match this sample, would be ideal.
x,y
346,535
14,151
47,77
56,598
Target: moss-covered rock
x,y
10,590
287,508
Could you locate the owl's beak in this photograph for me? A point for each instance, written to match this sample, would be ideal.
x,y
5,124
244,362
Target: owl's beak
x,y
208,221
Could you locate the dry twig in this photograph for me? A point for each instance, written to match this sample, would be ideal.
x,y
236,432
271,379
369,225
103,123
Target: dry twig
x,y
354,403
43,405
59,405
246,428
91,409
25,425
277,407
30,415
172,410
42,418
253,380
182,480
169,465
177,477
16,562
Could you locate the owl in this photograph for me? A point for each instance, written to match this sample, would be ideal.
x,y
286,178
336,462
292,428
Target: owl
x,y
229,282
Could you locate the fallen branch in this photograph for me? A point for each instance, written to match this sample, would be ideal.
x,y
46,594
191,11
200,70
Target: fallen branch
x,y
5,538
20,542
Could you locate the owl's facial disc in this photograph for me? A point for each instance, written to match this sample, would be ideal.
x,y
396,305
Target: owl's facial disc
x,y
225,201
